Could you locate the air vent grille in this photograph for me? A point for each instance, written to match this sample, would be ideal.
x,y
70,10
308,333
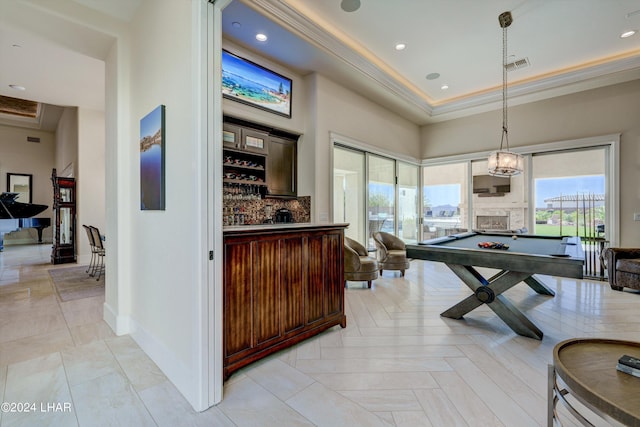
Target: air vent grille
x,y
517,64
33,139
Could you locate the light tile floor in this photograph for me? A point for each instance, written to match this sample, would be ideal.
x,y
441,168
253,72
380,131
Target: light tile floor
x,y
398,363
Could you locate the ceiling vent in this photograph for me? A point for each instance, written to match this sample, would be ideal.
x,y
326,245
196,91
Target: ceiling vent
x,y
33,139
517,64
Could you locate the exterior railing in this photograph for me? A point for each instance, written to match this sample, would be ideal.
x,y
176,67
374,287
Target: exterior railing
x,y
594,259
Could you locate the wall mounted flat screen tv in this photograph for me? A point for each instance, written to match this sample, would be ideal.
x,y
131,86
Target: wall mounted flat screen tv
x,y
489,185
247,82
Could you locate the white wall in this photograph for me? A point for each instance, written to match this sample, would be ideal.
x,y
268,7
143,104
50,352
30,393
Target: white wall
x,y
603,111
159,282
36,158
66,158
90,183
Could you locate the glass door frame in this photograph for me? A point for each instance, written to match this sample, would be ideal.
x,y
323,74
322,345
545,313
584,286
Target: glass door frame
x,y
368,156
418,202
364,197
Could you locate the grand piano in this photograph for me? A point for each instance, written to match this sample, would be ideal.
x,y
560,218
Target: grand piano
x,y
17,216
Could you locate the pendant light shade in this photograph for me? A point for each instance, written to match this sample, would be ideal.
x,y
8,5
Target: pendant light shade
x,y
504,162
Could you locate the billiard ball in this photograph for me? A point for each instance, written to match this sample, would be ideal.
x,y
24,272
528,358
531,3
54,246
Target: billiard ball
x,y
514,237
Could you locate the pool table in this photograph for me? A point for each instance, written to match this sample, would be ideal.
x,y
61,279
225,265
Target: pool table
x,y
522,256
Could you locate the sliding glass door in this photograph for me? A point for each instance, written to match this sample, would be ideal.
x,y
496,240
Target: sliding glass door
x,y
381,185
444,200
569,192
375,193
570,199
408,199
349,191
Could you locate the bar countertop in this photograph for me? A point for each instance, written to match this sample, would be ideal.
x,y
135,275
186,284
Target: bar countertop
x,y
279,227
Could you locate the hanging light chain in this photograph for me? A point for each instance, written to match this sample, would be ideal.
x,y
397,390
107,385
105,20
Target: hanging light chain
x,y
505,132
505,20
504,162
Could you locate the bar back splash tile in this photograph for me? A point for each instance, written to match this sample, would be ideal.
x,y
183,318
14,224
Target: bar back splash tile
x,y
253,211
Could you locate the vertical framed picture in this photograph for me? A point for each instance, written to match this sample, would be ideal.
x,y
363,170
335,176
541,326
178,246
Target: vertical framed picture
x,y
152,160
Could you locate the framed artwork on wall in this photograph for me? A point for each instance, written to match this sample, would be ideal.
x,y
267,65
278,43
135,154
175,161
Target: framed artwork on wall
x,y
252,84
22,184
152,160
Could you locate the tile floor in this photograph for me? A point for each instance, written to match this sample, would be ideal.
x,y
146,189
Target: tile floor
x,y
398,363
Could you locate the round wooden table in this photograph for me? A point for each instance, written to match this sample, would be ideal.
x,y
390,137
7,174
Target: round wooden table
x,y
586,368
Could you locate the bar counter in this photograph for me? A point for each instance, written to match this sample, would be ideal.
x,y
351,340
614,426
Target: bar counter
x,y
283,283
265,228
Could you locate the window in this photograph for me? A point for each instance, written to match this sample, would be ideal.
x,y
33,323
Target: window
x,y
348,191
373,193
408,198
570,199
569,193
381,199
444,199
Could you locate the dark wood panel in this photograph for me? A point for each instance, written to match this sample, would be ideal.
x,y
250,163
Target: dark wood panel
x,y
238,296
267,285
282,167
334,273
314,298
293,264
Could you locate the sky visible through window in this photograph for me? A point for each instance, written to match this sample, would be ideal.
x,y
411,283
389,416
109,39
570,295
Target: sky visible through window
x,y
439,195
547,188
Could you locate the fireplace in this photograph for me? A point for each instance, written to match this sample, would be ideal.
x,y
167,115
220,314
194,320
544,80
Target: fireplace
x,y
492,222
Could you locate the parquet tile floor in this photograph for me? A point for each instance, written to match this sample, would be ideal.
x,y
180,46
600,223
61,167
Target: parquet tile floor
x,y
398,363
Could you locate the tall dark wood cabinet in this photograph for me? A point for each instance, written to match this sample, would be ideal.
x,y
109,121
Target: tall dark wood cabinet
x,y
273,151
281,286
282,168
64,219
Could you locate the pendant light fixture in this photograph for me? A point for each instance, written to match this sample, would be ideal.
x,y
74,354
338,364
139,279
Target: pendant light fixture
x,y
504,162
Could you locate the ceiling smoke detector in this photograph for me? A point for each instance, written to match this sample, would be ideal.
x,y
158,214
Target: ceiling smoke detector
x,y
350,5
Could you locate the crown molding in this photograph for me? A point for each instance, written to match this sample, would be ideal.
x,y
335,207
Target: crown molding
x,y
311,32
603,74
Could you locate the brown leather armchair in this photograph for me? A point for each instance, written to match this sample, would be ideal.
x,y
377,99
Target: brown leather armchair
x,y
624,268
358,265
391,254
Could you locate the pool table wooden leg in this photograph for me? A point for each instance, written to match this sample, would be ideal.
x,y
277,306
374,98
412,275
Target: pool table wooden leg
x,y
538,286
513,317
463,307
489,293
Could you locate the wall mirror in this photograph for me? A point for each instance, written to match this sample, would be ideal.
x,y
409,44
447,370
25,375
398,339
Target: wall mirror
x,y
20,183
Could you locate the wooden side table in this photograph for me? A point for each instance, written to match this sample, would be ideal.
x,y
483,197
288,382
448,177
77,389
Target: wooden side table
x,y
586,369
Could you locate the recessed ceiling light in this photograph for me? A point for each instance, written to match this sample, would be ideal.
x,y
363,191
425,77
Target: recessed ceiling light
x,y
17,87
433,76
444,87
628,34
236,24
401,46
261,37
